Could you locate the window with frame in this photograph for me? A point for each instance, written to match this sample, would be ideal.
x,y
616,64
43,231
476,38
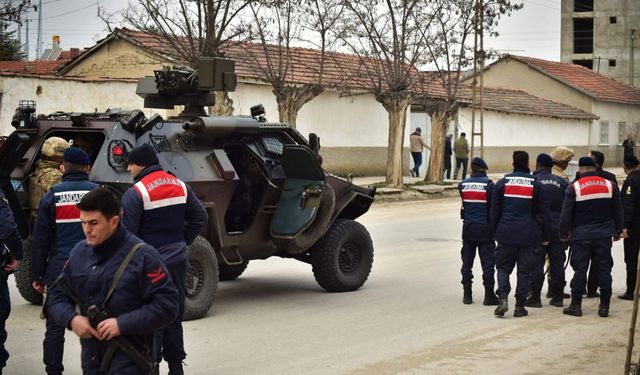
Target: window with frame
x,y
622,132
604,132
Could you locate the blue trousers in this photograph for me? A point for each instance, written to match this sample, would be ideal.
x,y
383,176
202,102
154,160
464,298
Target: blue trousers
x,y
506,258
468,254
53,346
170,340
417,162
556,253
599,253
5,310
463,162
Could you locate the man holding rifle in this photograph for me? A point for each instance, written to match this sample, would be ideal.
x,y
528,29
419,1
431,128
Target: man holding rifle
x,y
122,287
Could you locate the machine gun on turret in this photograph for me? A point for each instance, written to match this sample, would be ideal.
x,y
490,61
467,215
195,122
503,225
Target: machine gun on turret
x,y
185,86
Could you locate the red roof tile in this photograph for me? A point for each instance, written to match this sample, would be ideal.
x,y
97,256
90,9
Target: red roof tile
x,y
31,67
583,79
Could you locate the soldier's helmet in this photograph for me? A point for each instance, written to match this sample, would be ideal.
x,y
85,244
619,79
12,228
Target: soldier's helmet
x,y
54,146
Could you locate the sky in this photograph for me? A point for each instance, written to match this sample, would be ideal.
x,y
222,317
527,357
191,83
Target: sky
x,y
533,31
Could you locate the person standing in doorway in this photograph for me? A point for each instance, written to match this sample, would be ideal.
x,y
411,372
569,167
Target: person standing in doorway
x,y
417,144
448,151
461,149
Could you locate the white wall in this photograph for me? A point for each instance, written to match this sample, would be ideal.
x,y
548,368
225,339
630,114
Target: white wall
x,y
64,95
613,113
506,130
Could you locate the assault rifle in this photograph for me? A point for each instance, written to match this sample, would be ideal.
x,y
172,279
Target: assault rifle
x,y
97,314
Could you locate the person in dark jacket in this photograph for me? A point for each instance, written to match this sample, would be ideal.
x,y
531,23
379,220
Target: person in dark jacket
x,y
631,227
57,230
591,216
165,213
143,301
448,151
10,238
552,188
592,279
515,209
475,192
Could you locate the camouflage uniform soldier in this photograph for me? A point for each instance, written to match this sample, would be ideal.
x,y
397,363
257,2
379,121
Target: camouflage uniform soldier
x,y
561,157
47,171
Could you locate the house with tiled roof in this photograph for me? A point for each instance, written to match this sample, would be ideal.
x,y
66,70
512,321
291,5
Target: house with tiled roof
x,y
615,104
353,128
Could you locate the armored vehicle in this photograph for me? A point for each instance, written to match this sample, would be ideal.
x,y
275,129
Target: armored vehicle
x,y
262,183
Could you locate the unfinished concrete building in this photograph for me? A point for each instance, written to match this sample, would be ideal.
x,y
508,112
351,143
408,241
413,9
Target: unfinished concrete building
x,y
603,35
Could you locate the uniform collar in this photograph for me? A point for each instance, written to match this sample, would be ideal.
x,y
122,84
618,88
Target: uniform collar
x,y
521,170
147,171
542,171
75,176
112,242
478,174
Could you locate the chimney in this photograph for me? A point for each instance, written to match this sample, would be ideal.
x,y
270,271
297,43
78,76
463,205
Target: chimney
x,y
55,40
74,52
30,67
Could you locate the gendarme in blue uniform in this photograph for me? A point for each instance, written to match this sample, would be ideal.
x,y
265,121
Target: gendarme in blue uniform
x,y
9,237
144,301
165,213
591,216
514,218
57,230
476,192
552,189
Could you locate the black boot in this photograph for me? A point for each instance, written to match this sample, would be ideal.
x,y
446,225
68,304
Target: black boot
x,y
575,308
520,311
533,300
603,311
557,299
503,305
175,368
466,299
490,298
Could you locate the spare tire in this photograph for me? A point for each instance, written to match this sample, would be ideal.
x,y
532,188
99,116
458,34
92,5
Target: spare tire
x,y
202,279
23,276
309,236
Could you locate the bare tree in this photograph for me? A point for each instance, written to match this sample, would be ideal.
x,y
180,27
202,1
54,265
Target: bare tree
x,y
14,10
190,28
449,49
295,75
386,38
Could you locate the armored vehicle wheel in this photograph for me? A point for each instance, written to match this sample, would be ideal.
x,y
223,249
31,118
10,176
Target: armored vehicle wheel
x,y
227,273
23,276
343,257
202,279
309,236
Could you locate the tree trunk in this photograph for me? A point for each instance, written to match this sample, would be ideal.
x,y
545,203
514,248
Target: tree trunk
x,y
397,121
435,172
291,99
223,106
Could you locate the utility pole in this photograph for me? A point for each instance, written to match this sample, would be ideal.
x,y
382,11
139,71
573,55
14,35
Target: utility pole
x,y
26,43
481,79
631,55
474,83
39,43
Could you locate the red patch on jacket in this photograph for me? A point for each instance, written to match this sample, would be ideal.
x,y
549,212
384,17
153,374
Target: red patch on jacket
x,y
156,275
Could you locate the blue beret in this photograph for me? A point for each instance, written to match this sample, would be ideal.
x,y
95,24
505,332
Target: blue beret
x,y
479,162
76,155
586,161
545,160
144,154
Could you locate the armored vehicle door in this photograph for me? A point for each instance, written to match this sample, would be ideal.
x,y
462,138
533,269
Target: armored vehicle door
x,y
301,194
12,151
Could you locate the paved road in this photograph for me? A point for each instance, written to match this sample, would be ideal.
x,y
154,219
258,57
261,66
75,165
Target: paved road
x,y
407,319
